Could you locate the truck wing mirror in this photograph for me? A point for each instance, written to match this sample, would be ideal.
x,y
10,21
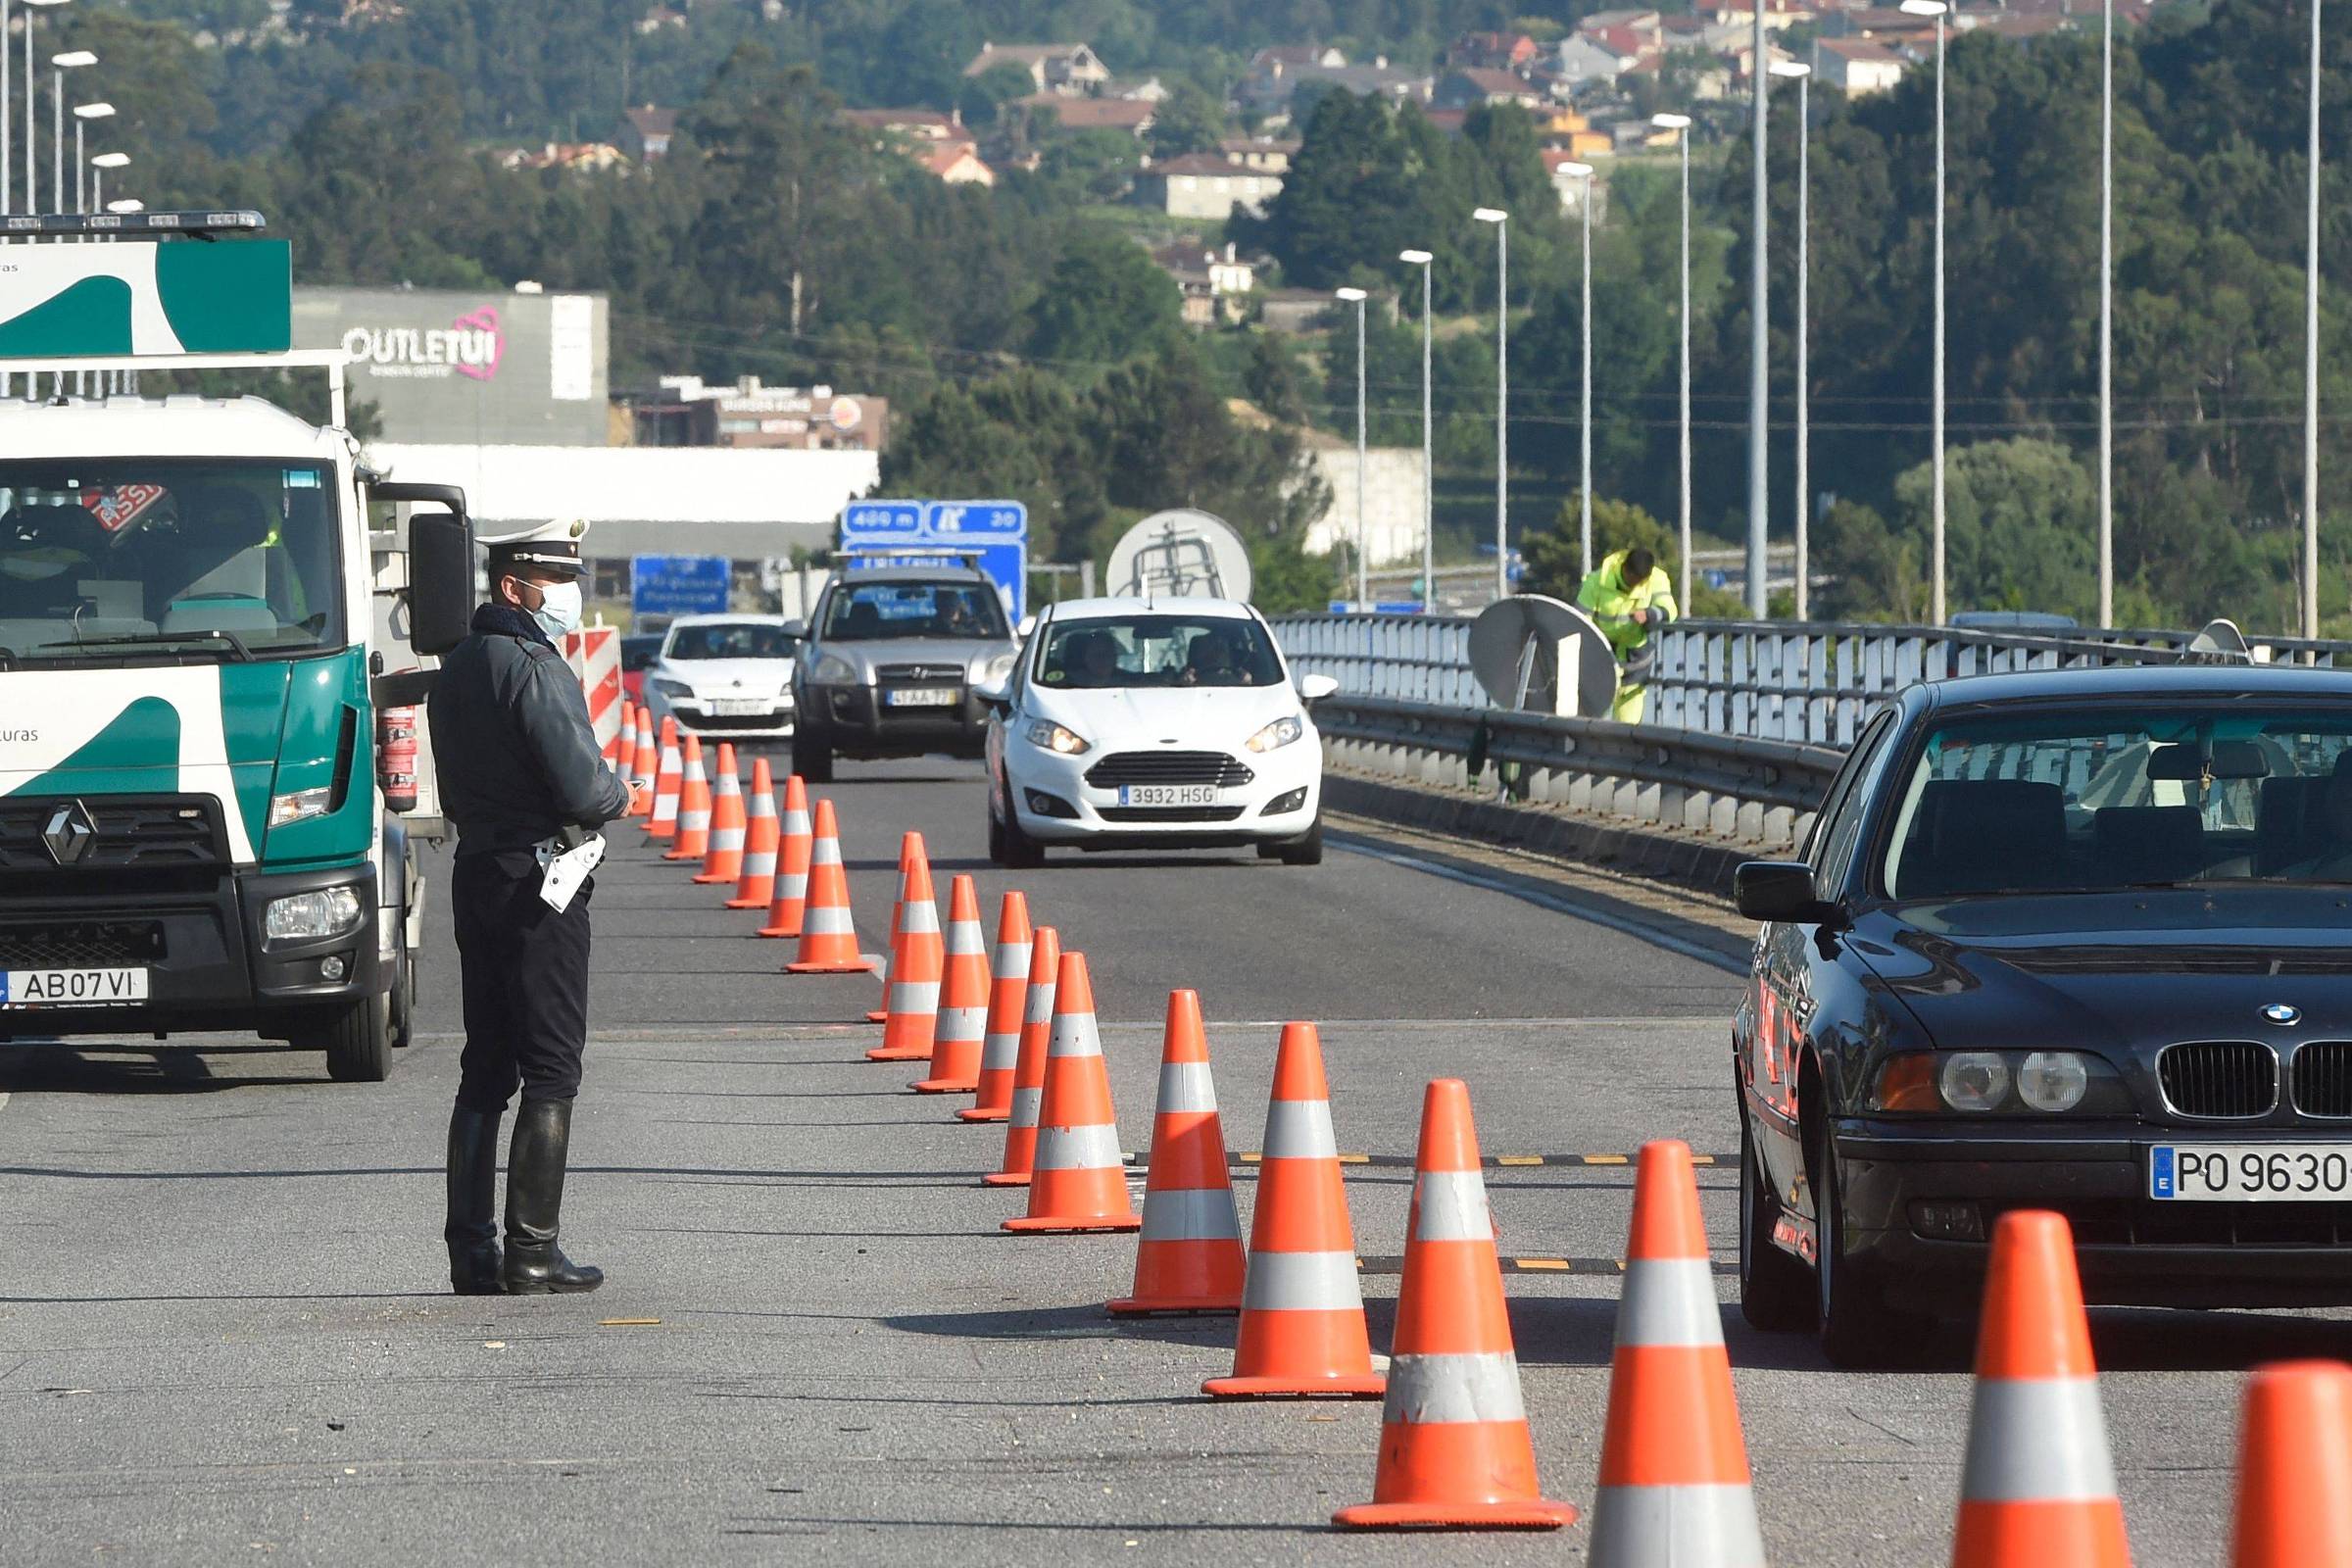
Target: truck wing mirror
x,y
440,580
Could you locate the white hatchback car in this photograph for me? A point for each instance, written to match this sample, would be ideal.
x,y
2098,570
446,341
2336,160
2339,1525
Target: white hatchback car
x,y
726,676
1130,723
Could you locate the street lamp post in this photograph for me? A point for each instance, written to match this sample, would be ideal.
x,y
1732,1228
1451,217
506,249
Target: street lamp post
x,y
1583,172
1759,347
1936,600
1680,124
2107,313
2311,357
70,60
83,113
1429,483
1801,74
32,185
1363,523
99,165
1503,394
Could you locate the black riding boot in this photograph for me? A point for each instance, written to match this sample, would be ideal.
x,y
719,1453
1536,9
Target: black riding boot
x,y
472,1230
534,1264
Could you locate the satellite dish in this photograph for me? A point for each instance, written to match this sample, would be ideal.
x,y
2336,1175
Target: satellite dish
x,y
2219,642
1181,554
1536,655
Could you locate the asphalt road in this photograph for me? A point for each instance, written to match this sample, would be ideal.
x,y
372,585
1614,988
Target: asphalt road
x,y
224,1334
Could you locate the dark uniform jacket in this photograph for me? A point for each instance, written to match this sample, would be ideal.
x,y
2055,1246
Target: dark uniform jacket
x,y
511,742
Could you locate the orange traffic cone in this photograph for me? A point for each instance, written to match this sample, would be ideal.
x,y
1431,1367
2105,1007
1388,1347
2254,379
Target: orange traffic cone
x,y
1079,1179
792,862
962,999
668,778
756,885
722,860
645,763
622,754
1454,1451
828,939
694,807
1189,1258
908,849
1674,1482
2039,1485
2293,1508
1007,997
916,957
1029,1072
1303,1310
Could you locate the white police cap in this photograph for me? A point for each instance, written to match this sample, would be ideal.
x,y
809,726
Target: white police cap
x,y
552,546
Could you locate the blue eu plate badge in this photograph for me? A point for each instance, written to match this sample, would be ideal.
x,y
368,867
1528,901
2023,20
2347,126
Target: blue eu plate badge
x,y
2160,1174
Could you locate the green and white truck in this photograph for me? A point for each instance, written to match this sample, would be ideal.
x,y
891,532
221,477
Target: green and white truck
x,y
215,628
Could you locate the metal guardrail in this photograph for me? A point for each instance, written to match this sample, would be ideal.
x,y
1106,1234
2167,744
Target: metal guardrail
x,y
1730,786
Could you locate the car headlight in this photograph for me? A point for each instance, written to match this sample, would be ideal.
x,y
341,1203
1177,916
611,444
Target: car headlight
x,y
301,803
2052,1080
307,917
831,669
1046,735
1973,1080
1281,732
671,688
990,671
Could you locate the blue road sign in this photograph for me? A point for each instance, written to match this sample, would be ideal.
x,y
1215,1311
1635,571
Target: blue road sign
x,y
678,585
996,531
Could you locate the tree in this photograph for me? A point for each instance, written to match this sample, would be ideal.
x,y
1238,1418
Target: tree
x,y
1104,301
1552,553
1187,120
2019,520
983,98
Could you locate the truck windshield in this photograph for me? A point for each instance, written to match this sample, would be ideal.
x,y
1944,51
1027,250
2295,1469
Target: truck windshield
x,y
115,558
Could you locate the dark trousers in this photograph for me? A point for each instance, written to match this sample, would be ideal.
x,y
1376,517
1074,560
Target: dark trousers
x,y
525,974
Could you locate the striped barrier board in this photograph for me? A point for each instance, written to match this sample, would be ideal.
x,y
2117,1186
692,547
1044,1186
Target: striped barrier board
x,y
594,654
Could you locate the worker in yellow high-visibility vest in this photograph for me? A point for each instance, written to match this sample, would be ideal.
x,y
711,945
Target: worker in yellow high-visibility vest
x,y
1629,596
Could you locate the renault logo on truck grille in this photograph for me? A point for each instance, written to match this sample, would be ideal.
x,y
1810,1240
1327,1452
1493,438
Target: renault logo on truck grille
x,y
69,833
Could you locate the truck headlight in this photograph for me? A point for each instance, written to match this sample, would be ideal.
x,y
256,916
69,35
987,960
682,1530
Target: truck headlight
x,y
831,669
307,917
301,803
1280,733
1048,736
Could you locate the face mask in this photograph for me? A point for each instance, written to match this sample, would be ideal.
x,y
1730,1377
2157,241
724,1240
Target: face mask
x,y
559,609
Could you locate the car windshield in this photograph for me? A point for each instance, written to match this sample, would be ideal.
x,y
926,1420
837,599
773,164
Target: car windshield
x,y
2098,801
1102,653
731,639
122,557
872,611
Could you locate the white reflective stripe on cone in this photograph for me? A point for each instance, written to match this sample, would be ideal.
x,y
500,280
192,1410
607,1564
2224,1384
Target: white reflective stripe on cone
x,y
1191,1214
726,838
919,918
794,885
1301,1282
1024,1106
915,996
1669,1302
1074,1035
1011,962
829,921
1643,1526
1095,1148
1465,1385
1299,1129
1454,1206
964,939
797,822
1186,1086
1001,1053
827,853
962,1023
1041,1005
694,818
2037,1439
666,808
761,863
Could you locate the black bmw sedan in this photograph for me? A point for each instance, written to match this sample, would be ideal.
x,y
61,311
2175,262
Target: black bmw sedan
x,y
2078,939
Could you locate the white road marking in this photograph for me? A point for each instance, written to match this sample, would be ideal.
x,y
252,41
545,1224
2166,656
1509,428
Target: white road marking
x,y
2,1102
1546,900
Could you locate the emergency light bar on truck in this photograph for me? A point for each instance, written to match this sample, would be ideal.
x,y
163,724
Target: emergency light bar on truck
x,y
196,225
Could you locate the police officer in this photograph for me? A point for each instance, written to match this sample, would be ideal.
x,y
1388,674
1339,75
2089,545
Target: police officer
x,y
520,775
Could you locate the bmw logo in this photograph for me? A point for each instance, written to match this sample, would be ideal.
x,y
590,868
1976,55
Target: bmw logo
x,y
2279,1012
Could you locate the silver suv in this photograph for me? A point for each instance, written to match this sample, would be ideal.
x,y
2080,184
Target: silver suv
x,y
892,659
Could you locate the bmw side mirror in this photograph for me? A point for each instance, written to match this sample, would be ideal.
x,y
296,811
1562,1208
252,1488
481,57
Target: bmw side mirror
x,y
1314,688
1781,890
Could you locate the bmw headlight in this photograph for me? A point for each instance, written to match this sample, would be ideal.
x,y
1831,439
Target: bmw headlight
x,y
671,688
831,669
1279,733
1973,1080
1048,736
2047,1083
2052,1080
307,917
989,671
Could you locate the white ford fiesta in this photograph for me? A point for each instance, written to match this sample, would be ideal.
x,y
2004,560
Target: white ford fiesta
x,y
1129,724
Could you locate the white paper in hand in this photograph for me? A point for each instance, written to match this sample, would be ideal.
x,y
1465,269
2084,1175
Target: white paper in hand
x,y
568,870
